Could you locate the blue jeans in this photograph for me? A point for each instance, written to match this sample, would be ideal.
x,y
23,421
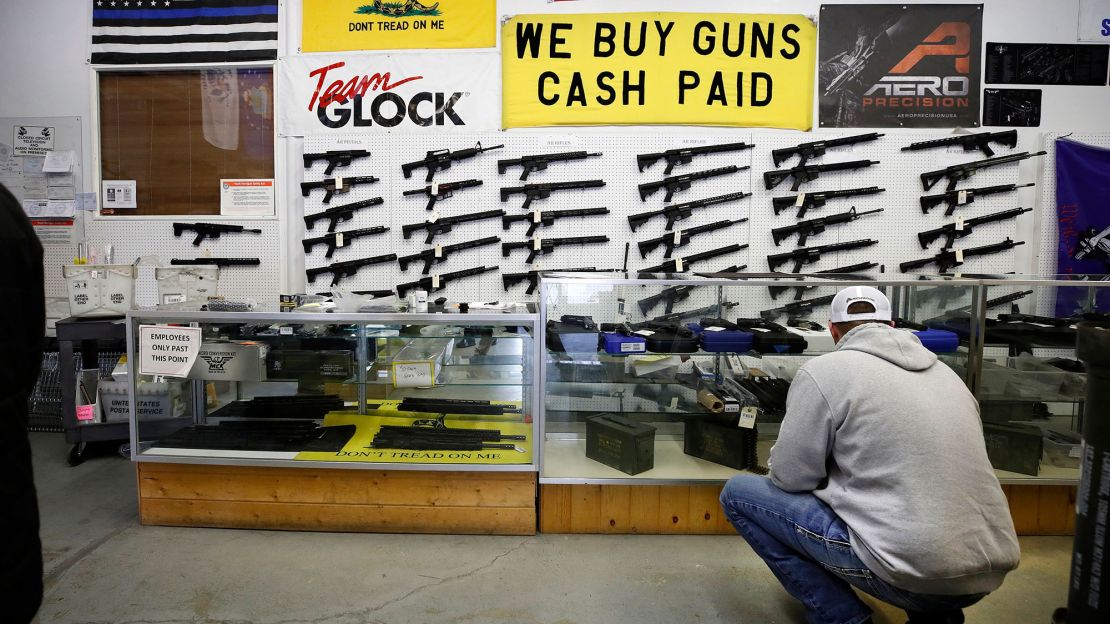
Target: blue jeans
x,y
806,546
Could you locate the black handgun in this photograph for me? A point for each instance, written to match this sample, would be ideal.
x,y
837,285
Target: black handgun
x,y
340,239
339,214
438,191
533,192
443,225
438,160
685,155
682,182
340,270
333,186
335,158
440,254
209,230
539,162
548,217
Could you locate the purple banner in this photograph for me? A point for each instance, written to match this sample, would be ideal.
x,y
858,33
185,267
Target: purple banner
x,y
1083,215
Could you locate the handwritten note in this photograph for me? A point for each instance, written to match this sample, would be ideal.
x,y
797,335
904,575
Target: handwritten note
x,y
413,375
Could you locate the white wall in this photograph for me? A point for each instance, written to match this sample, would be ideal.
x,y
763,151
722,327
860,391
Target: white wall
x,y
44,47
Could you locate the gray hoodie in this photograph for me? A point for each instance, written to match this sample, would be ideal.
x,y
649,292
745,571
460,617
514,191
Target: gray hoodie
x,y
891,440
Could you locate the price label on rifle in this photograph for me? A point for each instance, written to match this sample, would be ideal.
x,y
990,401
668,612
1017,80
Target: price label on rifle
x,y
339,239
799,200
959,256
678,265
537,244
644,332
674,402
439,251
339,185
434,217
960,224
747,417
678,237
714,329
961,198
535,216
435,188
435,281
285,331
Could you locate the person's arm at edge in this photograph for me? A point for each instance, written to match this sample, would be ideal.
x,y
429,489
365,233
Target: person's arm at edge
x,y
798,459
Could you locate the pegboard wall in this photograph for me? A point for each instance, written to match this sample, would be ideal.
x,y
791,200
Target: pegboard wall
x,y
895,228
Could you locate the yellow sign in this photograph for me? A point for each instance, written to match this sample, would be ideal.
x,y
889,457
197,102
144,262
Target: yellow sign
x,y
338,25
358,448
721,69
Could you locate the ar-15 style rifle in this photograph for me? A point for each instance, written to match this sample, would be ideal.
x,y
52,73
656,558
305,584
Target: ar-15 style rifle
x,y
796,307
980,141
680,238
533,192
805,151
209,230
432,283
954,257
963,227
340,239
804,201
220,262
541,246
685,155
809,255
438,160
443,225
440,253
811,227
808,173
333,186
682,182
850,272
338,214
335,158
681,265
964,196
340,270
957,173
438,191
539,162
678,212
548,217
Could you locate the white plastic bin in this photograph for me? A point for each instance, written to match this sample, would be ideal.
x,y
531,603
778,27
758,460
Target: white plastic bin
x,y
100,290
180,284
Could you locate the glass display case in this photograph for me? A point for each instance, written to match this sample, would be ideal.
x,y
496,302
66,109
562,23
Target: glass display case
x,y
683,379
428,391
1031,387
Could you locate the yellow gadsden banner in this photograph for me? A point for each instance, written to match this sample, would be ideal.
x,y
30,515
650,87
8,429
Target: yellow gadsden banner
x,y
722,69
339,25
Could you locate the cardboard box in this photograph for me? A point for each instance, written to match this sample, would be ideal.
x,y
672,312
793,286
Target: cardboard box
x,y
230,361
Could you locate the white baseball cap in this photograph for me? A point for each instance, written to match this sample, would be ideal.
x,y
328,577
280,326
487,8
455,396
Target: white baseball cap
x,y
867,294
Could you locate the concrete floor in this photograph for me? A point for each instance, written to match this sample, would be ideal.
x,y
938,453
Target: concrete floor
x,y
103,567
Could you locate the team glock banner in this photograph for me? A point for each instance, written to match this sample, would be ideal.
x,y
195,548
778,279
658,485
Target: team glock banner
x,y
337,25
721,69
904,65
377,92
1083,220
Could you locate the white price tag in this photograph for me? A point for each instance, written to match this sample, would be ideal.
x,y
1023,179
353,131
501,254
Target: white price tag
x,y
731,408
285,331
960,224
339,239
959,256
961,198
434,217
439,251
435,188
435,281
760,329
1074,452
536,214
633,347
714,329
674,402
957,275
644,332
537,244
339,184
677,237
747,417
799,200
678,268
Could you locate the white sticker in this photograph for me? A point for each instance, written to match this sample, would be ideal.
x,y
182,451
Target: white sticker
x,y
732,408
439,251
537,244
714,329
1074,452
536,214
173,298
674,402
435,282
959,256
633,347
435,188
434,217
678,265
960,224
800,199
678,237
339,184
747,417
339,239
644,332
760,329
285,331
957,275
961,198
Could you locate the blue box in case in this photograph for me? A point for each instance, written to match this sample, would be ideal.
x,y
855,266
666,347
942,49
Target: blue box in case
x,y
939,340
618,344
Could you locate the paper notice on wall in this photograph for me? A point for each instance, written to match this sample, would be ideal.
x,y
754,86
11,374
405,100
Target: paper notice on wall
x,y
33,140
34,187
247,198
117,194
34,208
55,231
58,162
61,208
167,351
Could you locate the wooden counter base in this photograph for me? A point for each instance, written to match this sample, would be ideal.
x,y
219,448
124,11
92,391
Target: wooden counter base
x,y
694,509
314,499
